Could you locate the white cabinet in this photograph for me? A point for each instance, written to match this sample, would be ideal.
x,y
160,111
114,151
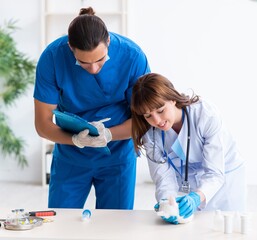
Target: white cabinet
x,y
56,16
47,149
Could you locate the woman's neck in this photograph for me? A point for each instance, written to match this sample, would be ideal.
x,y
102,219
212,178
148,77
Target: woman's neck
x,y
178,125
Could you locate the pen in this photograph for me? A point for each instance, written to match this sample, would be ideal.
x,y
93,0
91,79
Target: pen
x,y
104,120
42,213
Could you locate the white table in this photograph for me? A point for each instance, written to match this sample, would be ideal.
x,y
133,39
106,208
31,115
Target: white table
x,y
123,224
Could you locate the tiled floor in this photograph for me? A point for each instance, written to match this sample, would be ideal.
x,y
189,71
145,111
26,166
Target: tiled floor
x,y
34,197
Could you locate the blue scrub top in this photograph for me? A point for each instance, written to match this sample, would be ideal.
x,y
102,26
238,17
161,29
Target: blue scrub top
x,y
59,80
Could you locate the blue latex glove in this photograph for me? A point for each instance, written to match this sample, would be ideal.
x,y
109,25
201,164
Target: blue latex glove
x,y
188,204
171,219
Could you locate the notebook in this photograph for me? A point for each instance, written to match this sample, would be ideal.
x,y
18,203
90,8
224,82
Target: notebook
x,y
74,124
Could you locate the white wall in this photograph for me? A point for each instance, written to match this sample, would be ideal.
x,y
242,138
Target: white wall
x,y
207,45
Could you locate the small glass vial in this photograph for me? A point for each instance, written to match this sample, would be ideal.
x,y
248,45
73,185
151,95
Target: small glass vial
x,y
86,215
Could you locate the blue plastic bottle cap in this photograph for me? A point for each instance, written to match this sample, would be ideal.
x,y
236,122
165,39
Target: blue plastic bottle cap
x,y
86,214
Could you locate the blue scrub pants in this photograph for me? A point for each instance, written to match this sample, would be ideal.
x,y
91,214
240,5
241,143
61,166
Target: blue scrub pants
x,y
70,185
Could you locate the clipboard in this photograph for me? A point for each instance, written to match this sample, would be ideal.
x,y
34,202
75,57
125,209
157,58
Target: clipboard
x,y
72,123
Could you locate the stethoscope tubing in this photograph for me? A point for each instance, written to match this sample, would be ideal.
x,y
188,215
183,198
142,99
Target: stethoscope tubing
x,y
188,144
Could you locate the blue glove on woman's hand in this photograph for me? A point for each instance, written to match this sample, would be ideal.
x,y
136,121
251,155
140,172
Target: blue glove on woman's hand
x,y
188,204
171,219
156,207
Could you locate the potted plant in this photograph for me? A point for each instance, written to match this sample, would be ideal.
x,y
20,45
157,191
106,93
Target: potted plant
x,y
16,75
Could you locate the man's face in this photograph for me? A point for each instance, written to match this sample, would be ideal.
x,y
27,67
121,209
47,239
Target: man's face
x,y
92,61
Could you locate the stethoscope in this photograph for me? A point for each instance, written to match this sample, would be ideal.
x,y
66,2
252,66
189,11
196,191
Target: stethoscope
x,y
185,186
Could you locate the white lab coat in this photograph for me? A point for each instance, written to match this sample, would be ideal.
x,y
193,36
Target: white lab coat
x,y
215,165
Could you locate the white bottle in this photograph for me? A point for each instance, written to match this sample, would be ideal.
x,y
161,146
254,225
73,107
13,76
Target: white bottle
x,y
228,223
245,223
218,221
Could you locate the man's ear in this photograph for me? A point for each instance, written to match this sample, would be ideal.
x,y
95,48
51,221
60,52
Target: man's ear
x,y
108,41
70,47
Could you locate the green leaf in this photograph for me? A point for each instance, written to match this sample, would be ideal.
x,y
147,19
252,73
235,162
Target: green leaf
x,y
17,73
9,144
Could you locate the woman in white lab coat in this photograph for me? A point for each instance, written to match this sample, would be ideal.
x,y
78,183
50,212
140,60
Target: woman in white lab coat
x,y
160,117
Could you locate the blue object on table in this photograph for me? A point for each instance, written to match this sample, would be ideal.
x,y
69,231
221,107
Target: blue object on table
x,y
86,214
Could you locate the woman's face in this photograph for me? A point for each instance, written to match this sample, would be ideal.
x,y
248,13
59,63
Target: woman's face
x,y
165,117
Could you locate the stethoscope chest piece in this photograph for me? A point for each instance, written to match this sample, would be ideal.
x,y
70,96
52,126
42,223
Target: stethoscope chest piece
x,y
185,187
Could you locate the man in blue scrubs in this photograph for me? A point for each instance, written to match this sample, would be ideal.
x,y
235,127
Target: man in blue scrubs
x,y
91,73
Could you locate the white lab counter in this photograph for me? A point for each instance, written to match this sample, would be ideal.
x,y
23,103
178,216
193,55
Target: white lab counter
x,y
123,225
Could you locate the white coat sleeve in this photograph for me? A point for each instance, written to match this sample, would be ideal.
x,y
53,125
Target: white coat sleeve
x,y
163,175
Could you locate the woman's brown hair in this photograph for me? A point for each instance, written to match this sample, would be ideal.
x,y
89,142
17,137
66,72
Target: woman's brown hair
x,y
150,92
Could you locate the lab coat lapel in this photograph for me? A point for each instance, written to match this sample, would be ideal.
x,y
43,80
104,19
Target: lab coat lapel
x,y
179,146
